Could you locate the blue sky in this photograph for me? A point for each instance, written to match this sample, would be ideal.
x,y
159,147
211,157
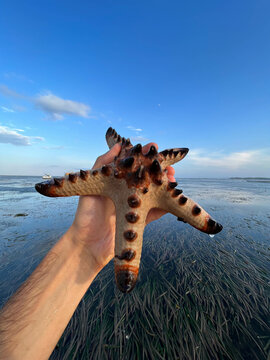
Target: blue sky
x,y
190,74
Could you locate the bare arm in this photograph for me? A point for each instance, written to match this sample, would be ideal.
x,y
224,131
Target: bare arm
x,y
34,319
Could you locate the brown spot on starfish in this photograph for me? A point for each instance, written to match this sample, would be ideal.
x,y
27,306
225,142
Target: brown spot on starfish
x,y
126,181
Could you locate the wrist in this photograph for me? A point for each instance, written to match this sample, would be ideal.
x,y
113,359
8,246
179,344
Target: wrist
x,y
80,249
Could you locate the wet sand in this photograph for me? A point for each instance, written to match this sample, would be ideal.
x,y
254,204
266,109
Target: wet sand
x,y
197,297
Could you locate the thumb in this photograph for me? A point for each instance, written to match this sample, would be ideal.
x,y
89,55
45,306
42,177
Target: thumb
x,y
108,157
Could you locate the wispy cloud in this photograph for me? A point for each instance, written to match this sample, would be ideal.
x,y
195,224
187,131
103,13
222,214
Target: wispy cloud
x,y
4,90
37,138
133,128
233,160
135,139
14,137
139,136
7,110
54,106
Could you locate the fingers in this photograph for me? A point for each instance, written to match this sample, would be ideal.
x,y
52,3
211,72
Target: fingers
x,y
170,173
107,157
170,169
146,147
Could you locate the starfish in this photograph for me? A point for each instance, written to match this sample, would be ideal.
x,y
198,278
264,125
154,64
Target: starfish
x,y
136,183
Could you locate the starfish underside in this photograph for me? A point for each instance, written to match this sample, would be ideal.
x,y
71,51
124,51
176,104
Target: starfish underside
x,y
136,183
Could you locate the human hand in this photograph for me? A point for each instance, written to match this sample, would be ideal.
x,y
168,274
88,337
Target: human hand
x,y
95,219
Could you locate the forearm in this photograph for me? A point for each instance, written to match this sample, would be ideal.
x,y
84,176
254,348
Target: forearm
x,y
33,320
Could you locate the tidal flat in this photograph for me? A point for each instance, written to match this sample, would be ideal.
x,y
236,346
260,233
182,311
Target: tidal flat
x,y
196,298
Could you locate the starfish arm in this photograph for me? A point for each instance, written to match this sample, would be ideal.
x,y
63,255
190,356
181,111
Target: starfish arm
x,y
90,182
113,138
130,223
136,182
188,211
171,156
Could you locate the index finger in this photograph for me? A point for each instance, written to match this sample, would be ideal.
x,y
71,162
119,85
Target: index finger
x,y
146,147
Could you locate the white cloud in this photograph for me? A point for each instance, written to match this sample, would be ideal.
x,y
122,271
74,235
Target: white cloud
x,y
37,138
55,164
12,136
10,93
7,110
57,116
51,104
203,163
133,128
231,160
136,139
56,107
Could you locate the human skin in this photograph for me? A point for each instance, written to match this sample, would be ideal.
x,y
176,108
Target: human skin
x,y
35,317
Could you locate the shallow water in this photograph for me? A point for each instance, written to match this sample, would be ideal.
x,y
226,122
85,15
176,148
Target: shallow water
x,y
241,251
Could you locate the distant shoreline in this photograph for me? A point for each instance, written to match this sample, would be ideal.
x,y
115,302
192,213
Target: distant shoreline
x,y
249,178
253,179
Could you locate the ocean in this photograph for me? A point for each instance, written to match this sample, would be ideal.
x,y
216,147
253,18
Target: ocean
x,y
197,297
